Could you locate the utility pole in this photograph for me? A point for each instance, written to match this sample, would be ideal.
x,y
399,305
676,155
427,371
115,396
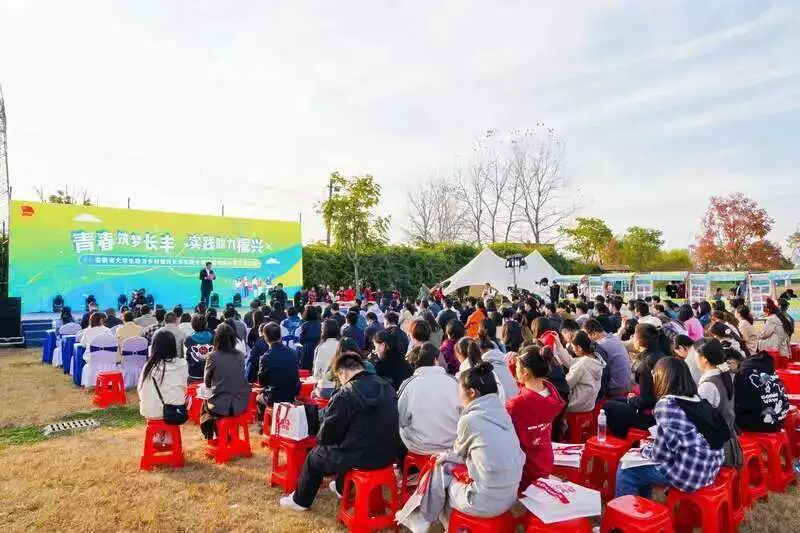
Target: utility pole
x,y
5,200
223,209
330,195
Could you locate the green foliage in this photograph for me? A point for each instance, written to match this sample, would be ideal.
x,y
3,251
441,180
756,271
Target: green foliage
x,y
348,214
674,260
588,238
407,267
640,247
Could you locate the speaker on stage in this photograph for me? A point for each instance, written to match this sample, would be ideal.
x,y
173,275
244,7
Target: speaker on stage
x,y
10,317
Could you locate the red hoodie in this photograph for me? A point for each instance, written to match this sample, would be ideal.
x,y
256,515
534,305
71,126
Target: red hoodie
x,y
533,415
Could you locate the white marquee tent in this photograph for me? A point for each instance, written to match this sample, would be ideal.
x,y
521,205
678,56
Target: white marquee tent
x,y
487,267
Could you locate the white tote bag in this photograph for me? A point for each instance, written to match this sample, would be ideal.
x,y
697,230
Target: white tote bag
x,y
555,500
289,421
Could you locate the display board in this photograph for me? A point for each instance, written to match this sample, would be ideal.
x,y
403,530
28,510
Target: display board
x,y
76,251
698,287
760,286
643,287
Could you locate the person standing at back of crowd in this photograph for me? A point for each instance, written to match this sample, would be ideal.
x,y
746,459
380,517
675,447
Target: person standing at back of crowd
x,y
745,322
474,321
777,330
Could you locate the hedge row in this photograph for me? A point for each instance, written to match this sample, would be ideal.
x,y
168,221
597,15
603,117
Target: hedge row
x,y
408,267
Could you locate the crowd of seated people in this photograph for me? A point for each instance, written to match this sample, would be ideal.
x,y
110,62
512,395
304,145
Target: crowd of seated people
x,y
447,378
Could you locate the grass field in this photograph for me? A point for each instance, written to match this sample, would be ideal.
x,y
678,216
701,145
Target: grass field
x,y
90,481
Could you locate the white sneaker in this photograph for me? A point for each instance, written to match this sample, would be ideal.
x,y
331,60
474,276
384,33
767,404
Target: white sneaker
x,y
332,486
287,502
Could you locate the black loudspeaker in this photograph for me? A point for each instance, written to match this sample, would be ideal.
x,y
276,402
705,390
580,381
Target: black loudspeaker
x,y
10,317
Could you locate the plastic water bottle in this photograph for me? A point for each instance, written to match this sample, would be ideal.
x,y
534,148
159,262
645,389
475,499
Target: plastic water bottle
x,y
601,426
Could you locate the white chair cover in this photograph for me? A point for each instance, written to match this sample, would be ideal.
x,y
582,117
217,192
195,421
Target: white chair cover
x,y
102,358
67,329
132,359
79,336
115,328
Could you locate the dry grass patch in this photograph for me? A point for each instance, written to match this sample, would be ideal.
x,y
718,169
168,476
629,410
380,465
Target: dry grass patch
x,y
37,394
91,481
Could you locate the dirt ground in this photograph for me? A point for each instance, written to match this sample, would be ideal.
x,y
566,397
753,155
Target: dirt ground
x,y
90,481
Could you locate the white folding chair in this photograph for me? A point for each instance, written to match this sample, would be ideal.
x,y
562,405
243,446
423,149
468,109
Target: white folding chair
x,y
115,328
102,358
134,356
67,329
79,336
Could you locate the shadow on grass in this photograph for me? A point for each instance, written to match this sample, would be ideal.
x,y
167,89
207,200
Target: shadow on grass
x,y
112,417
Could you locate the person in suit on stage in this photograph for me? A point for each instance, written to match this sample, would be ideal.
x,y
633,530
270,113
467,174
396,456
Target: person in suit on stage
x,y
207,278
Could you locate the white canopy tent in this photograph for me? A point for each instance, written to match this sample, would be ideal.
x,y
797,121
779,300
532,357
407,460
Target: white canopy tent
x,y
487,267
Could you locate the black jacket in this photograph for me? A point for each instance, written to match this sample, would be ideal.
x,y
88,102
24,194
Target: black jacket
x,y
395,370
614,323
359,426
647,395
402,338
759,398
308,335
205,284
278,374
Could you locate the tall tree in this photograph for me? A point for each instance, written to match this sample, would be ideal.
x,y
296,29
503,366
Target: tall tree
x,y
433,214
640,247
588,238
677,259
734,236
354,225
793,243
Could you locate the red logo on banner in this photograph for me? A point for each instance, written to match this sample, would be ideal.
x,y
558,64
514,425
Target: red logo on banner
x,y
27,210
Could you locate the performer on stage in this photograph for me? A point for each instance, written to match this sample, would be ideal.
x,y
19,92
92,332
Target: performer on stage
x,y
207,278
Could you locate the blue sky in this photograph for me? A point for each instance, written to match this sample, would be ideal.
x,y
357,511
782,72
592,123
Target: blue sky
x,y
185,105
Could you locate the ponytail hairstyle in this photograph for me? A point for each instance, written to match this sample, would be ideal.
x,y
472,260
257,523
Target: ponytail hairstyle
x,y
469,350
537,359
773,309
582,340
714,353
744,312
486,332
480,378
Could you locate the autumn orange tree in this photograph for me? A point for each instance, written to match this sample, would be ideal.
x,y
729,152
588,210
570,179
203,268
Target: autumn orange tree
x,y
734,236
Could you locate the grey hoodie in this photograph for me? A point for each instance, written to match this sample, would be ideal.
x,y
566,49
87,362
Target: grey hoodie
x,y
501,372
584,378
487,442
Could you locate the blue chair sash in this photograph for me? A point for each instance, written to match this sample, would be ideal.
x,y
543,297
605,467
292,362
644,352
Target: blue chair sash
x,y
93,349
131,352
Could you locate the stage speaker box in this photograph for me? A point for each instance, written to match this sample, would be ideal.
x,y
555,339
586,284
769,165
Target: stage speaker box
x,y
10,317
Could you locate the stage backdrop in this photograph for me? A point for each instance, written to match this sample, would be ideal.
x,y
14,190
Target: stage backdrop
x,y
76,251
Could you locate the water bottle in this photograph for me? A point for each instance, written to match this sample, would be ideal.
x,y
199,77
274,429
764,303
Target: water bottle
x,y
601,426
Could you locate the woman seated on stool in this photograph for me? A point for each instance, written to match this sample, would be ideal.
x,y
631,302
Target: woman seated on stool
x,y
323,357
165,370
224,375
635,411
585,375
689,437
533,412
487,443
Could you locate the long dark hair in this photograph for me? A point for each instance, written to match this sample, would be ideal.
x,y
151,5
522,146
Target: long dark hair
x,y
66,315
330,330
744,312
772,308
390,340
162,350
672,376
224,338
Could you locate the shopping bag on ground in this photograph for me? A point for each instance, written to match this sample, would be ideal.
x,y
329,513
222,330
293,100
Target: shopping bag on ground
x,y
555,500
567,454
289,421
412,504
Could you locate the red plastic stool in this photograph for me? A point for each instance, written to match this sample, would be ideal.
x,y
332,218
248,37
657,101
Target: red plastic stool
x,y
752,478
780,361
792,427
252,405
266,426
305,391
775,447
580,426
733,479
635,514
109,389
195,403
576,525
568,473
794,349
412,460
322,403
636,435
599,464
285,474
161,454
367,510
709,508
464,523
233,439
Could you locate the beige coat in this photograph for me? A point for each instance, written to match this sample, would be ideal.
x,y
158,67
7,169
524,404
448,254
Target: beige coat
x,y
773,337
